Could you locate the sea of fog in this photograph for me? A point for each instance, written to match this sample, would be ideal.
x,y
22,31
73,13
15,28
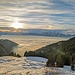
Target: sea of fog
x,y
30,43
30,65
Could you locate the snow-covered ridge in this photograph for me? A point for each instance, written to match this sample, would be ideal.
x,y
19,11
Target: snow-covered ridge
x,y
29,66
41,32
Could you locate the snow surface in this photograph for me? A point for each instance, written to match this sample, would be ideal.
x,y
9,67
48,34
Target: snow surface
x,y
29,66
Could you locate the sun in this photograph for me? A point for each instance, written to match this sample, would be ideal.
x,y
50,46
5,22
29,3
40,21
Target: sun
x,y
17,25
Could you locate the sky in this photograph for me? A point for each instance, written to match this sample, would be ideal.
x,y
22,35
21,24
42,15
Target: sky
x,y
38,14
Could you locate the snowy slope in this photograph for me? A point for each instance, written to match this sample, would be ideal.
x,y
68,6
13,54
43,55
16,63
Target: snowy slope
x,y
29,66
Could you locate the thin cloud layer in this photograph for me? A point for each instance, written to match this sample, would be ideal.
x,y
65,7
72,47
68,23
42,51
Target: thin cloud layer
x,y
42,14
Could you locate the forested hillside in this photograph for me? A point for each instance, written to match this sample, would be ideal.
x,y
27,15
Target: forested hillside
x,y
62,52
6,47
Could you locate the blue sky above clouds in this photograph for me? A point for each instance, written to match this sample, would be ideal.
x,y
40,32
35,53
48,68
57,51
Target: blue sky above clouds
x,y
39,14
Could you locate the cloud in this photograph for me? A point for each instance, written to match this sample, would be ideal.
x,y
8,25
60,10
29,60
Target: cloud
x,y
46,14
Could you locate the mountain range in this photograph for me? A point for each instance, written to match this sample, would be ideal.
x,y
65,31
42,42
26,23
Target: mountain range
x,y
37,32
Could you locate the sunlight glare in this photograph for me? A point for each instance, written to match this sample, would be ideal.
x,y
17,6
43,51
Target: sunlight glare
x,y
17,25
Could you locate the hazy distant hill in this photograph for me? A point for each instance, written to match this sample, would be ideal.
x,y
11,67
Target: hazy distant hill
x,y
6,46
37,32
62,52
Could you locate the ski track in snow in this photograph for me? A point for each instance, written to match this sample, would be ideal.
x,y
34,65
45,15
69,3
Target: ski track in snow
x,y
29,66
